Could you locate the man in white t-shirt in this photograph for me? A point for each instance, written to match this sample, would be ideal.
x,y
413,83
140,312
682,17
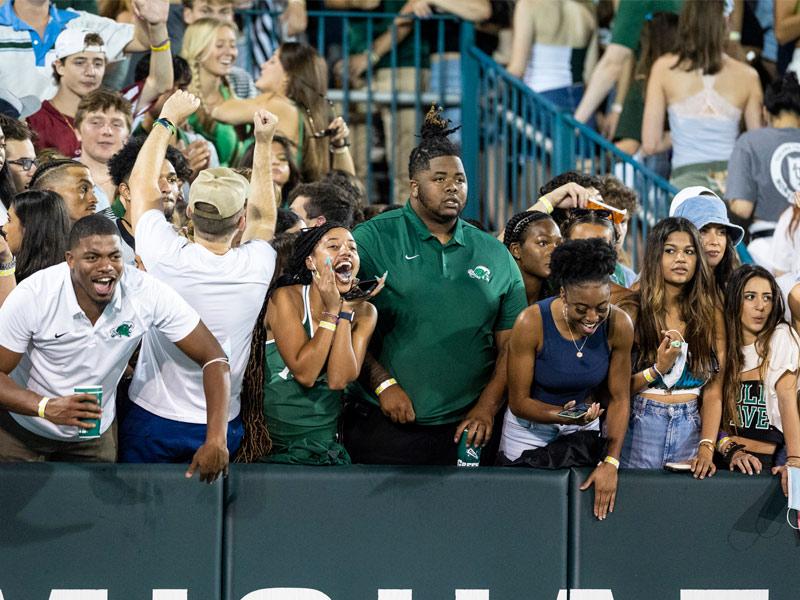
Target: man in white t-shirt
x,y
76,325
227,286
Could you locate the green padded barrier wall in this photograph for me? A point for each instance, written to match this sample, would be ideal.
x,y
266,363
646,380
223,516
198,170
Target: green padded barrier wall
x,y
127,529
670,532
349,532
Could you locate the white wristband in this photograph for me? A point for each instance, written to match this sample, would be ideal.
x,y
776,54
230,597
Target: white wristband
x,y
42,405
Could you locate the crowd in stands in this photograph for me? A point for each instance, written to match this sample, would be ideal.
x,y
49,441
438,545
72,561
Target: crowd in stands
x,y
194,268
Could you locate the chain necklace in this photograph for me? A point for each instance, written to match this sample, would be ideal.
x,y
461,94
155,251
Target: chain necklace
x,y
579,350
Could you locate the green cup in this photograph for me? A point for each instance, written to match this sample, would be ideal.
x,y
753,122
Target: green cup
x,y
97,392
468,456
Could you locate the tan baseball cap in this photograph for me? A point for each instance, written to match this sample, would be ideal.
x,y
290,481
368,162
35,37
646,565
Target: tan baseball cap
x,y
223,189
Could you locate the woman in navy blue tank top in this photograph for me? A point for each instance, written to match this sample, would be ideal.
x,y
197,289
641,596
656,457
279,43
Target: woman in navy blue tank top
x,y
563,349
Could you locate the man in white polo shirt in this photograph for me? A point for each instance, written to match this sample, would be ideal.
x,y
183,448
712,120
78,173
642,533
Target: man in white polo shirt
x,y
76,325
227,286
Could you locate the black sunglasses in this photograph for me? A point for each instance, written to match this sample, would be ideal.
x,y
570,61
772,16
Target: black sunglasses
x,y
25,163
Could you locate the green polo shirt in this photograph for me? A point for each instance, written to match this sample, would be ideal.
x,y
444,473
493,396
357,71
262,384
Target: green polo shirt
x,y
439,310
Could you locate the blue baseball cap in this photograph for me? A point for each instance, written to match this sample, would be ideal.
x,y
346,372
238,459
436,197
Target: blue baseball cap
x,y
708,210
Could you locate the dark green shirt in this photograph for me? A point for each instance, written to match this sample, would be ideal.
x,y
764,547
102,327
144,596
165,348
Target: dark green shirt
x,y
631,16
439,310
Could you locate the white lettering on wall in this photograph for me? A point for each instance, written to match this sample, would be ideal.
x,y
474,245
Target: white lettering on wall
x,y
394,594
724,594
586,595
286,594
170,594
472,594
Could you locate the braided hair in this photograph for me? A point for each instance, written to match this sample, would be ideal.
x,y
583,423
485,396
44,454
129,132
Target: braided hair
x,y
44,171
256,441
296,272
518,225
434,143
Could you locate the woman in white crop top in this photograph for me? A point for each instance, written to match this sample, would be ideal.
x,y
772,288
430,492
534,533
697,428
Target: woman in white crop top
x,y
705,93
554,44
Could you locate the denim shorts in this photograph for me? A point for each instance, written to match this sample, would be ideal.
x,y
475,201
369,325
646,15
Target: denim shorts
x,y
659,433
520,434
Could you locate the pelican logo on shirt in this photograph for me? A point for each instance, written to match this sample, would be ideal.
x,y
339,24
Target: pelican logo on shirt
x,y
123,330
480,272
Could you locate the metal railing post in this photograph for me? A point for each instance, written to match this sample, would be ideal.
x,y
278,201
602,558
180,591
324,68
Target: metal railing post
x,y
470,130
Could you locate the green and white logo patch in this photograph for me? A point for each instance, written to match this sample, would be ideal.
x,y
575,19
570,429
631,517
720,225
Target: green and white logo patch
x,y
123,330
480,272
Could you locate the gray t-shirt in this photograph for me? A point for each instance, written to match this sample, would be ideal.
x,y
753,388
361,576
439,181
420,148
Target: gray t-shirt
x,y
764,168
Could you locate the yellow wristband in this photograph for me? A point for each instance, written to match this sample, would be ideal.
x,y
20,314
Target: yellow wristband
x,y
327,325
386,384
548,206
722,443
7,272
612,461
42,405
162,48
648,375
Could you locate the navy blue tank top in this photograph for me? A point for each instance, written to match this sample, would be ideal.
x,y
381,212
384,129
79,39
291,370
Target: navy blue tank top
x,y
560,376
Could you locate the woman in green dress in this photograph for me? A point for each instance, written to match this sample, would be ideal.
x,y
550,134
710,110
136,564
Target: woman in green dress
x,y
209,46
316,342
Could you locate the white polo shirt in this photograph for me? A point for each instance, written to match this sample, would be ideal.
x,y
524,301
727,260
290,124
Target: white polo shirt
x,y
62,350
26,58
227,291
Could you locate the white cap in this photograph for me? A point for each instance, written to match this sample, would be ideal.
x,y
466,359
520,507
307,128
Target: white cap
x,y
690,192
73,41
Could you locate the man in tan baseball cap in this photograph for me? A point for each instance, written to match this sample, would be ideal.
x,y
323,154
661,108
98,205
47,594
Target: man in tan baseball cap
x,y
216,201
225,284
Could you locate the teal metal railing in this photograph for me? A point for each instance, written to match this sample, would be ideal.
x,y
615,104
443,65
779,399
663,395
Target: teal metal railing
x,y
523,140
392,94
513,140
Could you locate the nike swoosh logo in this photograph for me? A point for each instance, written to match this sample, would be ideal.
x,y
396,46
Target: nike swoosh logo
x,y
58,335
411,257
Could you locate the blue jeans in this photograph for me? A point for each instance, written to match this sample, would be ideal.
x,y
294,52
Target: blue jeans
x,y
659,433
148,438
446,79
520,434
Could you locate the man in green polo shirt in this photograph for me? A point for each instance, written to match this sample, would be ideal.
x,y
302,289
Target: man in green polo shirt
x,y
453,292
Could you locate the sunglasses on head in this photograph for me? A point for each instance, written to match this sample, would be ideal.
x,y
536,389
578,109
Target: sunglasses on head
x,y
613,216
25,163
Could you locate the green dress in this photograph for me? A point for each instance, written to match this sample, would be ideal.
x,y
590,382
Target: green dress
x,y
222,135
302,422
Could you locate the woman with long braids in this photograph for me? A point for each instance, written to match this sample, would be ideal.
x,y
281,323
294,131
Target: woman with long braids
x,y
760,416
561,351
209,46
293,84
316,342
679,345
531,237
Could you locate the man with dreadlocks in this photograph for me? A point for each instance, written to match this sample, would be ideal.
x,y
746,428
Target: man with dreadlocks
x,y
226,285
437,366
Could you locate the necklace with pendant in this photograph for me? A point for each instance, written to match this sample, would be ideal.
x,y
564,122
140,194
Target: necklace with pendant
x,y
579,350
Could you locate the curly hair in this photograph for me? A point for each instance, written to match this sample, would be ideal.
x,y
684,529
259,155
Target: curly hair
x,y
581,179
782,95
434,143
575,262
121,164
